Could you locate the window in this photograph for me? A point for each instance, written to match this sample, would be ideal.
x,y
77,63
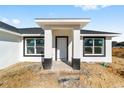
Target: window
x,y
93,46
34,46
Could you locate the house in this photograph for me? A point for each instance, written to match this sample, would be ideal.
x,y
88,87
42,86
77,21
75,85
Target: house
x,y
56,39
116,44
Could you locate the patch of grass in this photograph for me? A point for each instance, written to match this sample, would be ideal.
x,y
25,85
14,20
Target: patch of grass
x,y
104,64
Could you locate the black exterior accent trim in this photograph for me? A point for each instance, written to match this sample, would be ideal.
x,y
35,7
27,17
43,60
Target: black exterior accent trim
x,y
47,63
94,54
56,45
24,47
76,63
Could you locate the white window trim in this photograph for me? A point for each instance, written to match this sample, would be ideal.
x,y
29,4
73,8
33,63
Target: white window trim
x,y
93,54
32,46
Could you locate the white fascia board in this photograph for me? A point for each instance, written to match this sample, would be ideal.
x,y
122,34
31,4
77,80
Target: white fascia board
x,y
63,20
32,35
9,31
112,35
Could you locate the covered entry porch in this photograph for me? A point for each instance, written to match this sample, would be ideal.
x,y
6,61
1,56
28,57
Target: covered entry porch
x,y
62,40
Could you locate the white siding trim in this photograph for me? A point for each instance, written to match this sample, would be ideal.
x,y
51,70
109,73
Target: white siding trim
x,y
32,34
9,31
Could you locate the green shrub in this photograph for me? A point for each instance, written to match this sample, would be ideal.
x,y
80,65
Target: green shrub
x,y
104,64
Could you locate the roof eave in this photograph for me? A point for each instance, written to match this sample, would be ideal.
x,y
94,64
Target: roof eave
x,y
62,21
111,35
32,34
9,31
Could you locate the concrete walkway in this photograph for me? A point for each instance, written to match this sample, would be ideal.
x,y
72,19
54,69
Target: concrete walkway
x,y
61,66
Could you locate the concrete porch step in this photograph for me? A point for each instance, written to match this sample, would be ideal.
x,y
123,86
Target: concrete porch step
x,y
61,66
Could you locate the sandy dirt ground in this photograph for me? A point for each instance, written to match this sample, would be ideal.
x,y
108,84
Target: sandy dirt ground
x,y
91,75
32,75
118,52
100,76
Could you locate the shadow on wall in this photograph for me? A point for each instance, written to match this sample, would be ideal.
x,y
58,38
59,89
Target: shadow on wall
x,y
9,37
9,49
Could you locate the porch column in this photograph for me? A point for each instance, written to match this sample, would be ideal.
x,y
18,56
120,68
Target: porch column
x,y
48,49
76,49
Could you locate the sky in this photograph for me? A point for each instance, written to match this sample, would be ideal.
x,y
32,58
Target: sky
x,y
103,18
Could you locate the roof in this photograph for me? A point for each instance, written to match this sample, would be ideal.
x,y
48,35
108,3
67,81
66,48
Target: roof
x,y
8,27
95,32
117,44
41,31
21,30
37,30
31,31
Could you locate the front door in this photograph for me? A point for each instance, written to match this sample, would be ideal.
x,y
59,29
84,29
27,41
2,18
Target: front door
x,y
62,48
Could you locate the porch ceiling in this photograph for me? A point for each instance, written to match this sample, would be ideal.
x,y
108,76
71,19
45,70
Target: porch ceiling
x,y
62,22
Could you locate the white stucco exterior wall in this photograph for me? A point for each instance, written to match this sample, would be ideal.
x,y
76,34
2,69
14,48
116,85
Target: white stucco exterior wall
x,y
108,52
9,49
48,44
76,44
31,59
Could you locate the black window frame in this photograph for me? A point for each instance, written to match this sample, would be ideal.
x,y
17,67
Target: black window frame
x,y
94,55
24,46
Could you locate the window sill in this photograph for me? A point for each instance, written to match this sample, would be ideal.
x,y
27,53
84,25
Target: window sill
x,y
33,55
93,55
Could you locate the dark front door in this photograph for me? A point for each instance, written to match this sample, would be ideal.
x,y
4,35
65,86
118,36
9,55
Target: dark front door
x,y
61,48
